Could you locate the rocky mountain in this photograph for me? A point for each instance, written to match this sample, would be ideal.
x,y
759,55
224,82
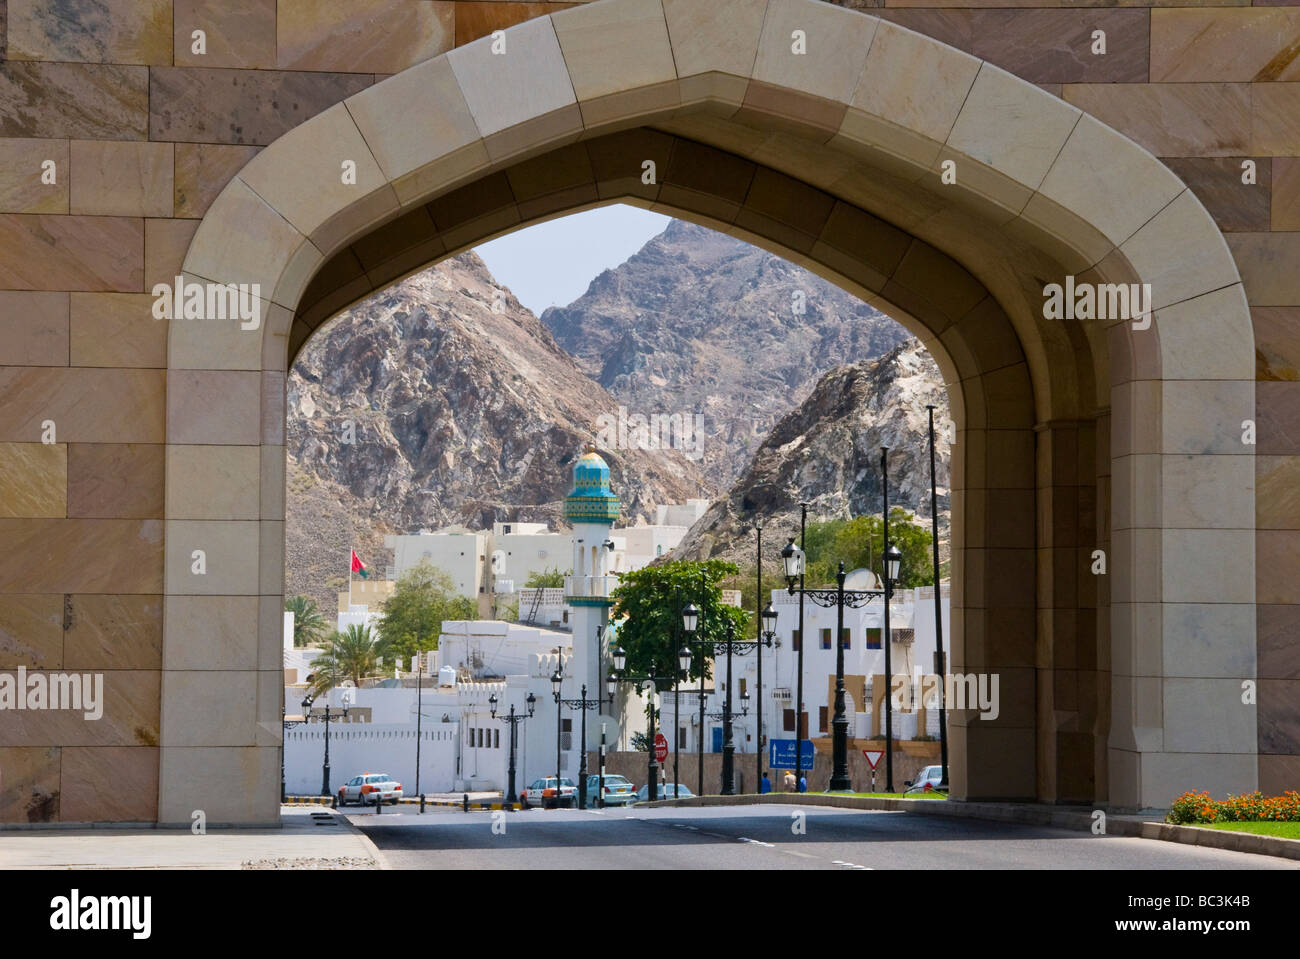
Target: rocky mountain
x,y
827,452
442,401
698,322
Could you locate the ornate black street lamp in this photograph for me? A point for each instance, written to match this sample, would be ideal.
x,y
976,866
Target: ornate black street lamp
x,y
766,637
325,769
728,744
938,609
584,704
514,722
795,562
652,768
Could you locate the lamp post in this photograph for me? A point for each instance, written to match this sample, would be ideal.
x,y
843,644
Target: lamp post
x,y
325,769
938,609
889,568
727,717
795,564
767,637
514,722
839,597
652,768
584,704
557,679
419,714
690,618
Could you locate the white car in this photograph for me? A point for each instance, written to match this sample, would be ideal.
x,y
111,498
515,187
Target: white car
x,y
929,777
541,792
370,789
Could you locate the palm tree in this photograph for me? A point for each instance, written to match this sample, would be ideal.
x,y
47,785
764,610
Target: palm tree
x,y
308,624
352,654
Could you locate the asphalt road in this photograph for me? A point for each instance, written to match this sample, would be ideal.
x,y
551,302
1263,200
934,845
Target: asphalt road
x,y
761,837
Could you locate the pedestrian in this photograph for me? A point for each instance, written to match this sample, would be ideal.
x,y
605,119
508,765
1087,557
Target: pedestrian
x,y
766,785
789,781
803,784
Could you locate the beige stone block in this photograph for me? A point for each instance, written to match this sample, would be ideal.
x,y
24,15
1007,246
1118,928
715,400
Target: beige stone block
x,y
33,479
211,632
272,557
1254,44
1173,119
273,408
34,328
616,46
109,31
228,566
1277,492
109,784
214,407
1206,416
1137,640
909,95
121,179
29,791
364,36
270,632
272,469
1209,492
213,482
112,632
1185,578
217,344
233,785
31,632
1011,126
1209,639
47,555
85,405
243,240
117,330
1181,253
40,252
1207,716
1136,713
529,80
237,33
1068,238
1277,555
1133,565
721,36
209,707
165,244
1135,492
22,176
403,141
303,178
203,170
1207,337
1105,178
836,41
129,704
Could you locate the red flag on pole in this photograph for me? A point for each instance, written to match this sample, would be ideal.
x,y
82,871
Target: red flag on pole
x,y
358,566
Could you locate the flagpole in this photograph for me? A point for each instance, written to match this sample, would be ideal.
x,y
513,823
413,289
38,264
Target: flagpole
x,y
351,553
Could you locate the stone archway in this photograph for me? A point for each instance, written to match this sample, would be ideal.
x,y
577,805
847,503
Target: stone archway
x,y
1072,437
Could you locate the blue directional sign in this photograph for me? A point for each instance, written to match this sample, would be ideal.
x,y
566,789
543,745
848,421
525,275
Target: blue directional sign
x,y
781,754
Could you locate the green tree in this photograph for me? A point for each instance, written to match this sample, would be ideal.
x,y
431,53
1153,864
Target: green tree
x,y
423,597
308,624
859,542
355,654
650,628
548,579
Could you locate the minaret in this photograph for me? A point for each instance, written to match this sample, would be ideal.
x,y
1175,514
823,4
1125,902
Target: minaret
x,y
593,509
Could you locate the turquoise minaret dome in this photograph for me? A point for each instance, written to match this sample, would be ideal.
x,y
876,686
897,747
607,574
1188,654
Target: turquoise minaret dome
x,y
591,501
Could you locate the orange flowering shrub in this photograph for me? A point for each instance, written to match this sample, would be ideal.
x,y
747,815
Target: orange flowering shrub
x,y
1197,807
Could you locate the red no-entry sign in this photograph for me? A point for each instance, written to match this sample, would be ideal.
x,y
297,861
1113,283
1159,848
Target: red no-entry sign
x,y
661,748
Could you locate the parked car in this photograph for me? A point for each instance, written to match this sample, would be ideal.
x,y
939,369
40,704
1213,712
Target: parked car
x,y
541,792
930,776
619,791
370,789
666,791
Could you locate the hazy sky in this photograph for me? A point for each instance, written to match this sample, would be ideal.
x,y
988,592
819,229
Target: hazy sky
x,y
551,264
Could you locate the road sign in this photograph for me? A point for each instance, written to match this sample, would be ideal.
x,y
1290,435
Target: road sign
x,y
873,756
661,748
781,754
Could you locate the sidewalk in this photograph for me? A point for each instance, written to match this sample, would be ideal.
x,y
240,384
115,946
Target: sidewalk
x,y
300,843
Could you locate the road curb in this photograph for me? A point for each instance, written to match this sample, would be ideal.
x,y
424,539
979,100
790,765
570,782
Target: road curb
x,y
1021,814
